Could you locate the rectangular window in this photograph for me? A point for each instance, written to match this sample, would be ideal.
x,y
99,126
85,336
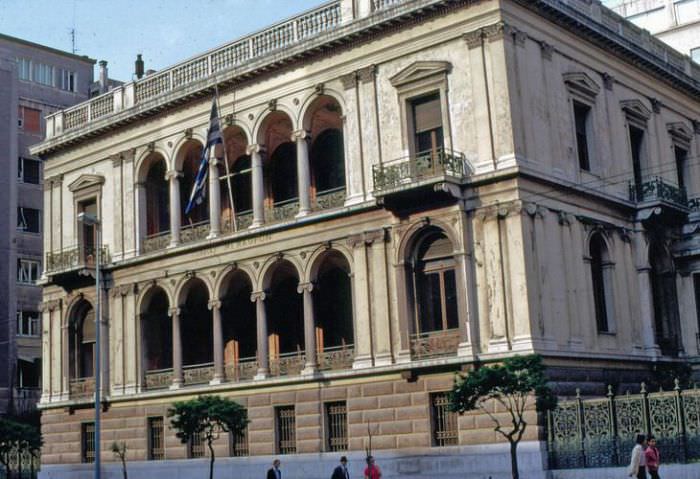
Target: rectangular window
x,y
27,271
427,124
581,119
196,446
29,170
42,73
636,146
286,430
28,323
336,426
28,373
30,119
87,442
238,444
67,80
88,232
444,421
681,164
24,69
28,220
156,449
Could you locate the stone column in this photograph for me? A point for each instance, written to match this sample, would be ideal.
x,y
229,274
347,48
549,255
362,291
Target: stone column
x,y
214,198
174,183
177,349
141,220
361,303
646,301
263,347
258,186
65,361
301,137
215,307
309,328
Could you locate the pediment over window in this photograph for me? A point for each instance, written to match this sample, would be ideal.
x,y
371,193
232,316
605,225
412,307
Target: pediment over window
x,y
86,181
636,109
582,84
420,70
680,132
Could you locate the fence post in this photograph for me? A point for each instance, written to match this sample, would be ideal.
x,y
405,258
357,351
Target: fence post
x,y
550,440
581,431
681,420
613,425
645,408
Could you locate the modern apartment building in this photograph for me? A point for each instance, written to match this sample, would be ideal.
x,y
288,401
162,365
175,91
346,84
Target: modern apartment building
x,y
676,22
416,187
34,81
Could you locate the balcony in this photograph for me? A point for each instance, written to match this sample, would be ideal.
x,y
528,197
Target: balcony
x,y
198,373
282,211
82,388
287,364
194,232
155,242
329,199
71,267
435,344
241,370
25,399
417,178
659,200
336,358
158,379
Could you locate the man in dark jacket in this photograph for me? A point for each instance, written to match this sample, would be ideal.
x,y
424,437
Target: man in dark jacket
x,y
274,472
341,471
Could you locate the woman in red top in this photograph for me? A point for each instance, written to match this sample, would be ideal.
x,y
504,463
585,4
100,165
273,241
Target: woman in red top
x,y
372,471
651,454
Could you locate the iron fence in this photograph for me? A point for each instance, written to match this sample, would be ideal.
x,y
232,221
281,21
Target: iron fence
x,y
20,465
601,432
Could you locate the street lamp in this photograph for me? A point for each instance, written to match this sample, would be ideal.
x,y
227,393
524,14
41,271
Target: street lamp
x,y
92,220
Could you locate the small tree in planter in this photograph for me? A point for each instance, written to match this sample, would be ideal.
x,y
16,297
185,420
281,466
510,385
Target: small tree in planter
x,y
208,416
119,451
511,385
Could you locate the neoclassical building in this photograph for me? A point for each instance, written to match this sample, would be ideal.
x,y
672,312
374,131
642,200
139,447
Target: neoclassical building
x,y
407,188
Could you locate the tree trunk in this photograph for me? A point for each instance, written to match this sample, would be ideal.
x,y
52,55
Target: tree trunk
x,y
514,460
211,459
124,466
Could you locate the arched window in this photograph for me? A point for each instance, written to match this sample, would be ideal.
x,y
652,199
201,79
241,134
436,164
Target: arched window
x,y
333,304
240,186
283,173
237,177
156,330
82,341
435,283
157,199
196,327
190,166
328,161
601,269
665,297
285,321
239,328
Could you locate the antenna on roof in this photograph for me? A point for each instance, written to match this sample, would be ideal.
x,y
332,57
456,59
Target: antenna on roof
x,y
72,41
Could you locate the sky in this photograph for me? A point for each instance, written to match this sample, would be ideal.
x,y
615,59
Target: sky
x,y
164,31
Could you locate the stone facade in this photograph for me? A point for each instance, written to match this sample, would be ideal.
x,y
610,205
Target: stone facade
x,y
468,224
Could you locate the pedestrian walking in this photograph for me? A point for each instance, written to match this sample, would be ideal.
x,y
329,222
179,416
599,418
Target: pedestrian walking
x,y
638,461
341,471
372,470
274,472
651,455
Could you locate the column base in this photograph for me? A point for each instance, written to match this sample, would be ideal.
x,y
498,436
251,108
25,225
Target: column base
x,y
383,359
362,362
309,370
256,224
261,374
465,350
403,357
354,200
499,345
213,235
174,244
576,344
216,381
302,213
176,385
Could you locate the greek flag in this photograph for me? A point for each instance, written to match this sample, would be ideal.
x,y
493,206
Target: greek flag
x,y
199,191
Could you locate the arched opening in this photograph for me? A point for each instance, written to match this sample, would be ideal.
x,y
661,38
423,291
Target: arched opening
x,y
665,298
285,318
191,156
196,333
333,313
157,197
238,178
601,282
239,328
82,342
281,167
327,153
434,295
157,340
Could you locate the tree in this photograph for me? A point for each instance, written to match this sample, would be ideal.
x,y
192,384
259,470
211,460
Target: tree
x,y
208,416
511,385
119,451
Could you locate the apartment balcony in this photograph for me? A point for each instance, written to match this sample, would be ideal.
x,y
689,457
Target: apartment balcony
x,y
425,177
435,344
658,200
72,267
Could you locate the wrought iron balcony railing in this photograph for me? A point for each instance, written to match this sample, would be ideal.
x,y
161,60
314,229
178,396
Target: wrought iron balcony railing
x,y
658,189
75,257
694,204
336,358
406,172
243,220
194,232
282,211
334,198
435,344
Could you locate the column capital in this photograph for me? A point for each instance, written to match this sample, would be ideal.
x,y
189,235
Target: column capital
x,y
173,312
305,287
214,304
173,174
257,295
256,148
300,135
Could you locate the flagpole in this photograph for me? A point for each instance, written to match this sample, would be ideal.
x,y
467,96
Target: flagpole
x,y
228,173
